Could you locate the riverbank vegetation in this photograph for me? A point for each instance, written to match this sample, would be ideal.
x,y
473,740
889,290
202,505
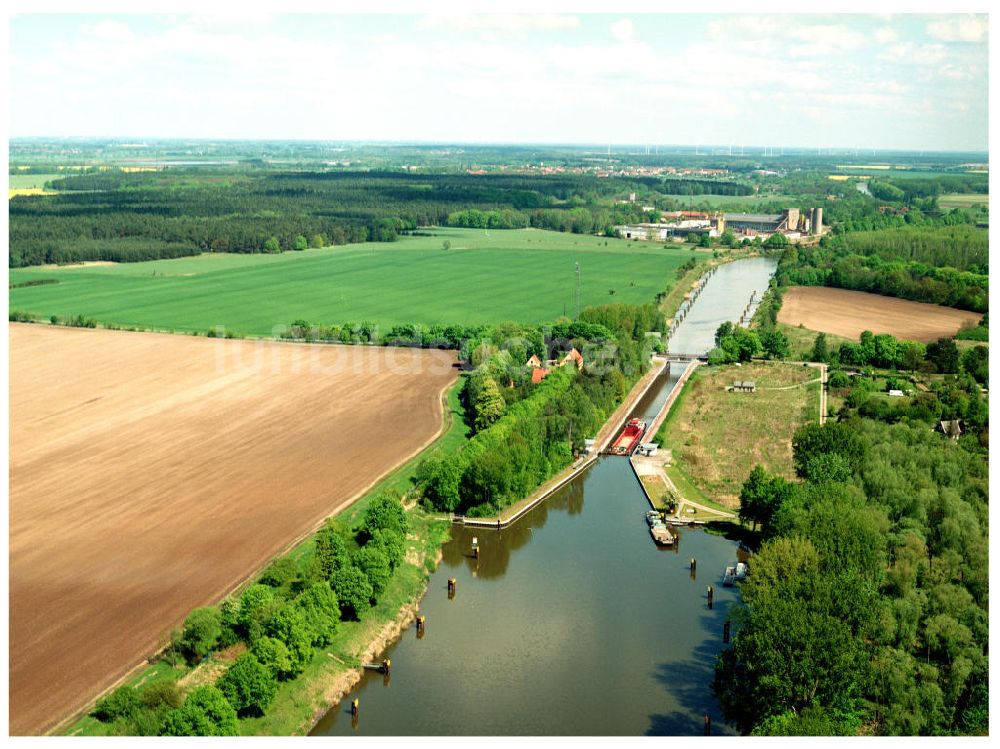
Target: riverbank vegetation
x,y
865,610
526,431
261,661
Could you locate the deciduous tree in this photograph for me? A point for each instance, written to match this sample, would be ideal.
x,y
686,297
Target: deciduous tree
x,y
354,592
205,712
248,685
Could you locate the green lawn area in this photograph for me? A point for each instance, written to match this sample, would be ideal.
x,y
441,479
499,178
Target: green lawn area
x,y
656,490
485,277
801,341
716,437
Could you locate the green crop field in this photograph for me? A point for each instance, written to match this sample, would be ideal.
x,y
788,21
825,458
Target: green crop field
x,y
957,200
484,277
28,181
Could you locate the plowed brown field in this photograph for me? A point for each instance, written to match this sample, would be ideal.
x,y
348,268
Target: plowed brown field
x,y
150,474
849,313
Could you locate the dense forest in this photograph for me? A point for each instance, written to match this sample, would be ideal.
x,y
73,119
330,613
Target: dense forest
x,y
921,281
866,607
133,216
960,246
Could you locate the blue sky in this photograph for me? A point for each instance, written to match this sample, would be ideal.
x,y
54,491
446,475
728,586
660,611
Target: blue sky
x,y
886,81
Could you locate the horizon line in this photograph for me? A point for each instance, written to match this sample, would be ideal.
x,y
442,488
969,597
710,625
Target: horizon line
x,y
542,143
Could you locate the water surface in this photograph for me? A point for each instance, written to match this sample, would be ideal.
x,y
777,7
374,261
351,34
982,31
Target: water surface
x,y
571,621
724,297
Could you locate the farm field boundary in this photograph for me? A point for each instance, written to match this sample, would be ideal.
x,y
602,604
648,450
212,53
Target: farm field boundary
x,y
213,472
847,313
482,277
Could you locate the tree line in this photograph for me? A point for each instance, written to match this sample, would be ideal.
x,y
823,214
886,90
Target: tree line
x,y
962,246
916,281
130,217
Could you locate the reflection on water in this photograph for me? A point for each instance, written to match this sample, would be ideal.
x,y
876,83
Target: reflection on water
x,y
589,628
724,297
495,547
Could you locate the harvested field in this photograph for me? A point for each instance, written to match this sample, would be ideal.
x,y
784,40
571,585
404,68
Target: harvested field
x,y
150,474
848,313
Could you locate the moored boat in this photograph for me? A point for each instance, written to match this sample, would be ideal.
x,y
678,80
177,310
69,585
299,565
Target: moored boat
x,y
629,437
661,535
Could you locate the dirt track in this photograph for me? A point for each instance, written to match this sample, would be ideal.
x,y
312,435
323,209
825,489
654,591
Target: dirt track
x,y
848,313
149,474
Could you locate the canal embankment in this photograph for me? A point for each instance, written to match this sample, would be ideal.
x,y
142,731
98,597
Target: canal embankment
x,y
602,439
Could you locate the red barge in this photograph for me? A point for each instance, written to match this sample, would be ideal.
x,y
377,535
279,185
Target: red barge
x,y
629,438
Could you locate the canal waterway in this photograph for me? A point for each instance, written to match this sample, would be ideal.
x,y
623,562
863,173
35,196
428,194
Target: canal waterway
x,y
724,297
571,621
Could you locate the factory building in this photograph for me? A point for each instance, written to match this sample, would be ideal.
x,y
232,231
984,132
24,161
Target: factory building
x,y
791,222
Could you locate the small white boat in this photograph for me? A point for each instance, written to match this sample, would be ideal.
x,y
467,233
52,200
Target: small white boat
x,y
741,571
729,578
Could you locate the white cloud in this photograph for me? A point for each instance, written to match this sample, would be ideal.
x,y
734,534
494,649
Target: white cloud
x,y
965,29
502,77
744,28
111,31
624,30
955,73
231,21
774,34
611,60
885,35
826,38
914,54
517,22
